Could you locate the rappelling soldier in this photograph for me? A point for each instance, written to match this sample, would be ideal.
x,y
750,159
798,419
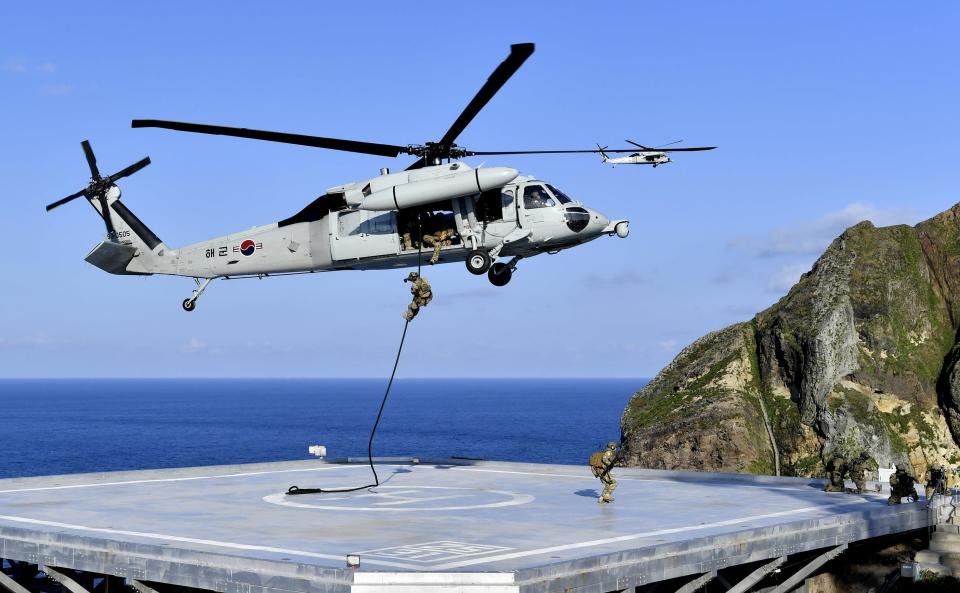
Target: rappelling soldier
x,y
836,470
420,289
438,240
857,470
936,478
902,485
601,462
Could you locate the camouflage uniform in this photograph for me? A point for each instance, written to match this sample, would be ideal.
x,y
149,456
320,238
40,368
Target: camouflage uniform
x,y
858,468
420,289
601,464
836,468
936,478
902,486
439,239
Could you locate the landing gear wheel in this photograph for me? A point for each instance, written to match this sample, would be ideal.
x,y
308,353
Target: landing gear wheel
x,y
478,262
189,304
500,274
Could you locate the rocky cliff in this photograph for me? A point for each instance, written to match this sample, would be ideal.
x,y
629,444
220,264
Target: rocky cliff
x,y
861,354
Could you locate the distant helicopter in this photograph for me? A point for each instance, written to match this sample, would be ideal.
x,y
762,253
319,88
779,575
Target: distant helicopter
x,y
648,156
485,213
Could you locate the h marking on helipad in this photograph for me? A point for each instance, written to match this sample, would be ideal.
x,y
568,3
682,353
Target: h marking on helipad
x,y
429,552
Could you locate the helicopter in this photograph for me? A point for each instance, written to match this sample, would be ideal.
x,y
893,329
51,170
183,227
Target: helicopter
x,y
490,217
648,156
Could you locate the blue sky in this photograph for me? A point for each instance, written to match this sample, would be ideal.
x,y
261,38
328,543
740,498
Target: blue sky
x,y
825,114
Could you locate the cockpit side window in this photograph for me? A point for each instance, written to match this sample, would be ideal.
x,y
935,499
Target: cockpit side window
x,y
535,196
561,197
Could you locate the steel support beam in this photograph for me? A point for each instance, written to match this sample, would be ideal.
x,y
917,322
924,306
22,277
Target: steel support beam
x,y
65,581
813,565
11,586
756,576
140,586
698,583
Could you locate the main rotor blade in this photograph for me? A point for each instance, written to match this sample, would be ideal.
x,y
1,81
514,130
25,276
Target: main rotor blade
x,y
391,150
63,201
518,55
594,151
91,159
687,149
129,170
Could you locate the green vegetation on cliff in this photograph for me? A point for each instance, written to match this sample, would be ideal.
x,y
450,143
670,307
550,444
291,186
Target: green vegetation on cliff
x,y
859,354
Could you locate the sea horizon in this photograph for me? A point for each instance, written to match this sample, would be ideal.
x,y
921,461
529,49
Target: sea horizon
x,y
61,426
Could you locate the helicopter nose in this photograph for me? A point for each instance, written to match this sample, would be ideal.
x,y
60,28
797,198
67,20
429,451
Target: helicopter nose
x,y
598,222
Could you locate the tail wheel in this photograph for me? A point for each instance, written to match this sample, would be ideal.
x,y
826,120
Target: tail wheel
x,y
478,262
189,304
500,274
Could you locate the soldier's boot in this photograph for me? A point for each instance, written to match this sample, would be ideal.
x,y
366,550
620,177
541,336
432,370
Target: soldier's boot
x,y
893,500
436,253
861,486
605,497
610,488
407,241
410,313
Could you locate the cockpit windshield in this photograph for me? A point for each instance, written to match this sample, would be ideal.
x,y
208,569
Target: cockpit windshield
x,y
562,197
535,196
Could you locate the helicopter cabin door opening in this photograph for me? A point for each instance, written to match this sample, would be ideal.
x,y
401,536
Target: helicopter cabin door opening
x,y
496,211
436,221
360,234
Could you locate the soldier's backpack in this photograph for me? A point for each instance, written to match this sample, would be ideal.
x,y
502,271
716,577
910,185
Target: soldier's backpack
x,y
596,463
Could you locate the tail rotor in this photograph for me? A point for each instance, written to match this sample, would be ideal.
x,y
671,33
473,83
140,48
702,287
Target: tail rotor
x,y
99,186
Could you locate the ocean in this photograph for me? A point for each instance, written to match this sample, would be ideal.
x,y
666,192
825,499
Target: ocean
x,y
91,425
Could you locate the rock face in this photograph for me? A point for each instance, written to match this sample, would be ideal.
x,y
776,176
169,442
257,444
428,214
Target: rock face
x,y
861,354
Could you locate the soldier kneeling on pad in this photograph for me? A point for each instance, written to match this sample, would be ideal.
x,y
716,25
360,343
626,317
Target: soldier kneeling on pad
x,y
902,485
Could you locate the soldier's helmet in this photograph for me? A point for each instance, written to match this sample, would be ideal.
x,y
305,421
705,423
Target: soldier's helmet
x,y
900,467
611,445
411,277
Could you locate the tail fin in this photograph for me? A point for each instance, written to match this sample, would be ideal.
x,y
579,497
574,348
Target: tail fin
x,y
133,248
603,155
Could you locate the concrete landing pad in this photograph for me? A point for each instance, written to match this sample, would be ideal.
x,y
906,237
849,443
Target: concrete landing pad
x,y
464,526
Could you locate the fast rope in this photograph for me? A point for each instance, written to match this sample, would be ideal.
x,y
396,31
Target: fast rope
x,y
294,490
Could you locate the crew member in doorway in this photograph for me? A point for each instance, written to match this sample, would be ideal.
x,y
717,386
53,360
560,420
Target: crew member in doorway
x,y
420,289
438,240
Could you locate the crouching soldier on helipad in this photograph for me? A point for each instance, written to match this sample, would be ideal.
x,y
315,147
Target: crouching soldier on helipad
x,y
836,471
936,481
601,462
858,468
902,485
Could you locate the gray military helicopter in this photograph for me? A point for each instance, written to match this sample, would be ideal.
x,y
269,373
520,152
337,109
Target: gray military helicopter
x,y
648,156
478,215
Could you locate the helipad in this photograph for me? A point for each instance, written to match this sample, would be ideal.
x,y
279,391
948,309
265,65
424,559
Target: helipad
x,y
457,526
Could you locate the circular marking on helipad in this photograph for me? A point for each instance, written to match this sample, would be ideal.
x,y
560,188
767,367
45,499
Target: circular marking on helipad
x,y
404,499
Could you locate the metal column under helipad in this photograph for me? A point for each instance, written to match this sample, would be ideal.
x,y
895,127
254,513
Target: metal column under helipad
x,y
463,526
